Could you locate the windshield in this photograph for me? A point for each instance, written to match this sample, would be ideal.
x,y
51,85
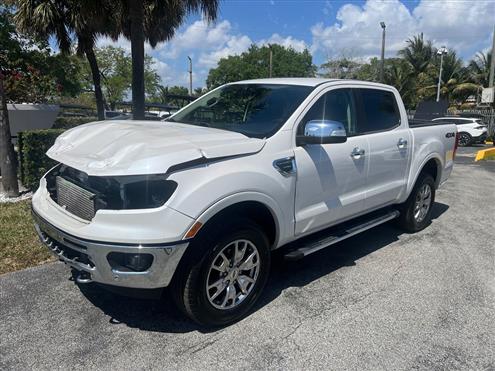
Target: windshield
x,y
255,110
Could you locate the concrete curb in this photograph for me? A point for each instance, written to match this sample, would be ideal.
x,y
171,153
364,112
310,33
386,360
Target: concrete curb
x,y
485,154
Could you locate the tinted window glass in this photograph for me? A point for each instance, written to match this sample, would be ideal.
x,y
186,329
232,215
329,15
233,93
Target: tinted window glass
x,y
380,110
255,110
463,122
336,105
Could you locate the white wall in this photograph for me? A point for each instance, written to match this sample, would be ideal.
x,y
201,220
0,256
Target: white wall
x,y
24,117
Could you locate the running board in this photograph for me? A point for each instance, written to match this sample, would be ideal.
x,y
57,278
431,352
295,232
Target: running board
x,y
310,244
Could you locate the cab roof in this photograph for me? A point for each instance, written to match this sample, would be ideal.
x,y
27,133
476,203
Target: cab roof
x,y
302,81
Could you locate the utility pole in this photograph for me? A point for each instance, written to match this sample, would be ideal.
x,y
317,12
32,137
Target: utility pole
x,y
492,64
441,52
382,63
271,60
190,76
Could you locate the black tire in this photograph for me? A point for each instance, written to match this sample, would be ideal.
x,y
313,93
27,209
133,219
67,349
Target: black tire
x,y
465,139
189,284
407,219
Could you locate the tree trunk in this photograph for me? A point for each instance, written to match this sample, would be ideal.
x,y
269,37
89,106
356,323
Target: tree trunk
x,y
8,161
95,72
136,13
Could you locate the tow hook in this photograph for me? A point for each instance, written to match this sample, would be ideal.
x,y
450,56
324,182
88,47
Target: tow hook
x,y
81,277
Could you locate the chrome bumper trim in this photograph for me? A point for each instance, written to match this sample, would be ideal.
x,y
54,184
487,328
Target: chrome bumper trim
x,y
92,257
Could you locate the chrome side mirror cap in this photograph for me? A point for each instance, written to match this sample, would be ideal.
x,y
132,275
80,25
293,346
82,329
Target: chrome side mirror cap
x,y
322,132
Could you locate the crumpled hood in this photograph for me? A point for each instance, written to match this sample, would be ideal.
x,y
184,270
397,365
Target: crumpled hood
x,y
144,147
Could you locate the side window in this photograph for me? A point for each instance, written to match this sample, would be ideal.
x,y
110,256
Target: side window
x,y
379,109
336,105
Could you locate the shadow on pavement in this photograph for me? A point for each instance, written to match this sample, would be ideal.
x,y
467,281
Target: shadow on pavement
x,y
161,315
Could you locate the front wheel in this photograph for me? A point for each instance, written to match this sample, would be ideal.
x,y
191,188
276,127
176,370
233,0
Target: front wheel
x,y
415,213
221,284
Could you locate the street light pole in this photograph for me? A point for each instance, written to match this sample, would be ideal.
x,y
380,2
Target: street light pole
x,y
190,76
441,52
271,60
382,63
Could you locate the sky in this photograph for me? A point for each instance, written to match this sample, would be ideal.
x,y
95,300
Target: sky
x,y
328,29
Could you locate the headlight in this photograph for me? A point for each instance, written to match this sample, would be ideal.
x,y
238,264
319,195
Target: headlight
x,y
480,127
117,192
144,191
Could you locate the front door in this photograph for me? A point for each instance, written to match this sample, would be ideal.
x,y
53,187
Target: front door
x,y
331,178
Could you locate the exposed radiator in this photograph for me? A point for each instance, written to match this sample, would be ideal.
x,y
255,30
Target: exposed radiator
x,y
75,199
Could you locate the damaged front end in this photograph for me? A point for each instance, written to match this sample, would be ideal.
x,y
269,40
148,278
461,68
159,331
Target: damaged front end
x,y
83,195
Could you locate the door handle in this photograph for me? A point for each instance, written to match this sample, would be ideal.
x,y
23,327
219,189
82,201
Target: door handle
x,y
402,143
357,153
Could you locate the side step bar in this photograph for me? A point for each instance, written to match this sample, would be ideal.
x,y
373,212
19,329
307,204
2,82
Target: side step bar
x,y
309,245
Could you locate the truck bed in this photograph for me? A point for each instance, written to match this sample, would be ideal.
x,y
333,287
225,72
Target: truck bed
x,y
417,123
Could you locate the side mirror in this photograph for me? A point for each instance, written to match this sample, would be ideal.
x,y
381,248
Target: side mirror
x,y
322,132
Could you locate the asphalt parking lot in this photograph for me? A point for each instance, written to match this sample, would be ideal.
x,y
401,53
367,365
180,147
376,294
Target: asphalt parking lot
x,y
380,300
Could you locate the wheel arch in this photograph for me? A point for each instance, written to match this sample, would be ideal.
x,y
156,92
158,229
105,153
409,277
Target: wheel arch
x,y
431,165
259,207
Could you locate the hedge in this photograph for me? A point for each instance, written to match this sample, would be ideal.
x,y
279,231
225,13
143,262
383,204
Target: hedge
x,y
34,162
70,122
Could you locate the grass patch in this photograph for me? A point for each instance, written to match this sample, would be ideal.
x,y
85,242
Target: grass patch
x,y
19,244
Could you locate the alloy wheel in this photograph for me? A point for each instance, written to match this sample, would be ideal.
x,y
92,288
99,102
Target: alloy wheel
x,y
233,274
463,140
423,203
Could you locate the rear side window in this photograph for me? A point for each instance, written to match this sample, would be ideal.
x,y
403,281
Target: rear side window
x,y
379,110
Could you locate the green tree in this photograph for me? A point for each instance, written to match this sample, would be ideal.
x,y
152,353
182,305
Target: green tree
x,y
69,21
115,67
254,64
153,21
341,68
18,55
479,68
418,53
454,86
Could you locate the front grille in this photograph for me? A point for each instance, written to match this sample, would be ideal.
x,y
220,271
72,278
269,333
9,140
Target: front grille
x,y
75,199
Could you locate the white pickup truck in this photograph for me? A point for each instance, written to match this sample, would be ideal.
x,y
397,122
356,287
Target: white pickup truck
x,y
199,202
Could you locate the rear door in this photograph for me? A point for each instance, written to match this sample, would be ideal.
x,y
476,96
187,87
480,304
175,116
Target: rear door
x,y
390,146
331,178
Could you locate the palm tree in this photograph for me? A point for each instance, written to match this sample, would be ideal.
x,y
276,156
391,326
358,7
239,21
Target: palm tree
x,y
455,85
418,53
154,21
399,74
86,20
479,68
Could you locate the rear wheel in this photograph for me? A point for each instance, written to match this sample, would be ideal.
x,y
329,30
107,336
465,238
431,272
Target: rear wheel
x,y
220,284
416,211
465,139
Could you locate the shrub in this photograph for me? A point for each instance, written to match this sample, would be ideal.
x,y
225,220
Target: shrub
x,y
71,122
34,162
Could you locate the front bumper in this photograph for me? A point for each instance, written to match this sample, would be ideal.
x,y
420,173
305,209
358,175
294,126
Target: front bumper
x,y
90,257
